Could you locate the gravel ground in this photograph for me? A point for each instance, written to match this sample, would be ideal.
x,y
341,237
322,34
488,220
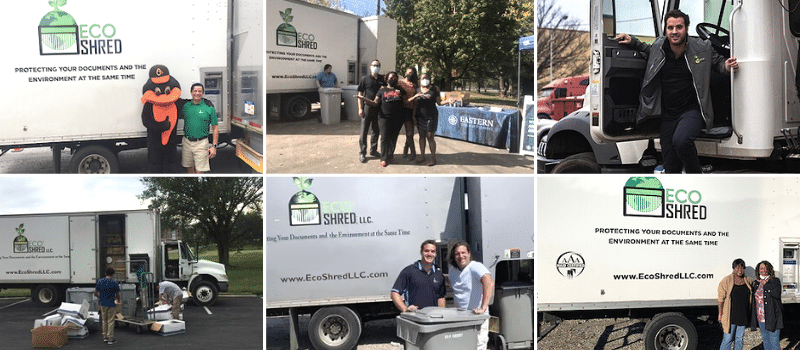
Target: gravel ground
x,y
624,333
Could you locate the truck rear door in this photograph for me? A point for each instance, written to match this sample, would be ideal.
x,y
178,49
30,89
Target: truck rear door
x,y
83,249
617,70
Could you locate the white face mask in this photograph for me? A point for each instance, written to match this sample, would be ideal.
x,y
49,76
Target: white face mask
x,y
374,70
763,277
425,82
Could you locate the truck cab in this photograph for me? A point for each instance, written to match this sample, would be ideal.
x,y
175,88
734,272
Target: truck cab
x,y
204,279
561,97
756,108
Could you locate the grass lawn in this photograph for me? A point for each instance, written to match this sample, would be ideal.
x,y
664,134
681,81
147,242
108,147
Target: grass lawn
x,y
491,99
246,275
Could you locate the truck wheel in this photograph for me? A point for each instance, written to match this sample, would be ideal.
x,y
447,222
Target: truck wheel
x,y
94,160
670,331
581,163
204,293
45,295
334,328
543,116
296,107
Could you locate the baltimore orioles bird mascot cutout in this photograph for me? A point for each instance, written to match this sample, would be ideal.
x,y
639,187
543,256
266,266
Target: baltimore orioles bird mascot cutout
x,y
160,116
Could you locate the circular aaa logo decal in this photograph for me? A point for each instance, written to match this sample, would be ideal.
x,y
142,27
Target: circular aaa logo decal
x,y
570,264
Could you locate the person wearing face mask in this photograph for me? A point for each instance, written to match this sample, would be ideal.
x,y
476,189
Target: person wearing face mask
x,y
767,312
734,295
368,88
427,116
390,116
409,84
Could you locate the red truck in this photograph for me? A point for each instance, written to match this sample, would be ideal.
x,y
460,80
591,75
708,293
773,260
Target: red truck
x,y
561,97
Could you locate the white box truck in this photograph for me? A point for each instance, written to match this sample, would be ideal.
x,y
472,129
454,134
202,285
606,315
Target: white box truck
x,y
77,70
49,253
248,92
656,248
303,37
356,234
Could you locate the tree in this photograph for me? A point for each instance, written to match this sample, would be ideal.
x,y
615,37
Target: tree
x,y
570,46
452,37
214,206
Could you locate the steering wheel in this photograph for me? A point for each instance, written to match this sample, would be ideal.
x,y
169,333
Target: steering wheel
x,y
720,43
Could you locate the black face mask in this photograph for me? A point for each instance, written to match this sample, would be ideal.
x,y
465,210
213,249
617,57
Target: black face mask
x,y
412,77
393,82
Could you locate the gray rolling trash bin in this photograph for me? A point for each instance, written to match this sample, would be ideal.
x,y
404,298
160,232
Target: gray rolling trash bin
x,y
349,93
330,101
513,302
436,328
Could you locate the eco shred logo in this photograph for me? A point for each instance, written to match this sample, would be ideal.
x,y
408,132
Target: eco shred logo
x,y
647,197
60,34
23,245
287,35
304,207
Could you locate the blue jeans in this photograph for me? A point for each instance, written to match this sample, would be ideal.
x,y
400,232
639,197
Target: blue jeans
x,y
772,340
728,338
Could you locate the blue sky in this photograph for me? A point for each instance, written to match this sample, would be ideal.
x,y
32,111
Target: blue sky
x,y
362,7
69,193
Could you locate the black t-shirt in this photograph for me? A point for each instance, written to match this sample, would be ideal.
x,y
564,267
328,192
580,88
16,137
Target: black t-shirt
x,y
391,102
370,86
677,87
740,305
426,104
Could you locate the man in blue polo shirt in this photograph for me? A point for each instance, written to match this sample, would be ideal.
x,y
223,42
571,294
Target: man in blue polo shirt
x,y
107,291
420,284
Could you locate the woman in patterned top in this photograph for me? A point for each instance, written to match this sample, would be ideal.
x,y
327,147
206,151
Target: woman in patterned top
x,y
767,306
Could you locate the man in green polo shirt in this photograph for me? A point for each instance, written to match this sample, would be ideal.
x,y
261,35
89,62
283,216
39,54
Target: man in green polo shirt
x,y
197,116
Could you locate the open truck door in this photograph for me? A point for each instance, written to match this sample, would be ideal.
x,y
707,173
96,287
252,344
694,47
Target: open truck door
x,y
617,70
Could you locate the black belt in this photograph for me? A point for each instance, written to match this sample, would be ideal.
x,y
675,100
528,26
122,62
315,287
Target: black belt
x,y
193,139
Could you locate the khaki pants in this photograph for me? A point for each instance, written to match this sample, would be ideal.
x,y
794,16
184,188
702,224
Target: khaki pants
x,y
176,306
107,319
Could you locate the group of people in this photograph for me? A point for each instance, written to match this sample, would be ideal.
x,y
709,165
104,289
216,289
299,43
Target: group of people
x,y
389,103
746,303
107,292
422,284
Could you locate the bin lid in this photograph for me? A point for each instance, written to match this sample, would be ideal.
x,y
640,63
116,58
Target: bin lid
x,y
331,90
516,285
435,314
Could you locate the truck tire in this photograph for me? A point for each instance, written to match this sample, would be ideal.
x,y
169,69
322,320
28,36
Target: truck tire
x,y
296,107
45,295
204,293
670,331
334,328
581,163
94,160
543,116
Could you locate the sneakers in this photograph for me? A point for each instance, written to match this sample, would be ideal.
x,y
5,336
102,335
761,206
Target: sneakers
x,y
111,342
105,340
375,154
362,158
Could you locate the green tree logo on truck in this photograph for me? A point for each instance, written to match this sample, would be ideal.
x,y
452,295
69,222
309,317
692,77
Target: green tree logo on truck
x,y
287,35
58,31
304,207
643,196
20,241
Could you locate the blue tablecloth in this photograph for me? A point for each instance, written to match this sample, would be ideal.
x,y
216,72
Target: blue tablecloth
x,y
479,125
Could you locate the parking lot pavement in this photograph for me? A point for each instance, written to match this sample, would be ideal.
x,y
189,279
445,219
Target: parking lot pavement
x,y
235,323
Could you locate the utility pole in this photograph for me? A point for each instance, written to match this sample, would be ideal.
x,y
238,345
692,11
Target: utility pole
x,y
378,8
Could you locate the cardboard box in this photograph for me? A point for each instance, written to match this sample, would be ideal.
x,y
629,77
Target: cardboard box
x,y
49,337
170,327
75,310
459,96
53,320
162,313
